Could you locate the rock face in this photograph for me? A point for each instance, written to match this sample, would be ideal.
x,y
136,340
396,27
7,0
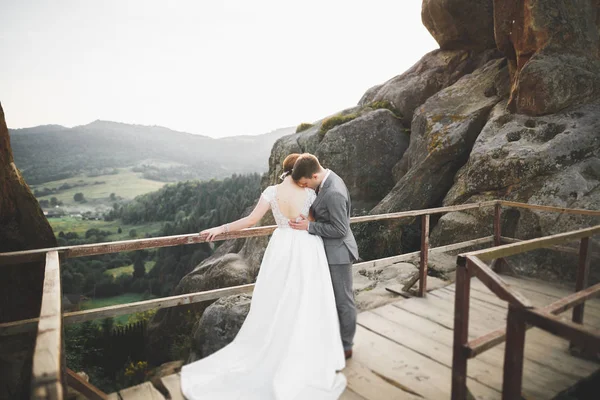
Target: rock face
x,y
219,325
434,72
553,51
22,227
460,24
550,160
170,326
443,132
362,151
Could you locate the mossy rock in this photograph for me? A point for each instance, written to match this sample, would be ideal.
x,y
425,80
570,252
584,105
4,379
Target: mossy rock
x,y
303,126
336,120
377,105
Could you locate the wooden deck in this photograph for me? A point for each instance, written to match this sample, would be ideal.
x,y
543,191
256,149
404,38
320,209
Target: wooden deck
x,y
404,350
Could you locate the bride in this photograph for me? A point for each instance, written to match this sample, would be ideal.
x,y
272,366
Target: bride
x,y
289,347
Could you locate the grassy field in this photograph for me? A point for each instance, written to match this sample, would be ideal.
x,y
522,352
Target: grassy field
x,y
128,269
126,184
111,301
80,226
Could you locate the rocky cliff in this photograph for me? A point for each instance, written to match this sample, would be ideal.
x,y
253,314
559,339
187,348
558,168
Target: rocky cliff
x,y
22,227
507,108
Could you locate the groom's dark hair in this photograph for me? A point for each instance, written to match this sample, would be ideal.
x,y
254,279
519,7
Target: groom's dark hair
x,y
306,166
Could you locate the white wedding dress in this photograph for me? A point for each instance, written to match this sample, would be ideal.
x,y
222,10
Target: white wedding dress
x,y
289,347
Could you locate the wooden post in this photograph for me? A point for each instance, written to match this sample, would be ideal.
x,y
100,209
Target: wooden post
x,y
582,276
581,283
461,330
46,375
497,263
497,226
513,354
424,255
500,265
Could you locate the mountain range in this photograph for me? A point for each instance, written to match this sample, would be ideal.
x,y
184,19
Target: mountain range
x,y
50,152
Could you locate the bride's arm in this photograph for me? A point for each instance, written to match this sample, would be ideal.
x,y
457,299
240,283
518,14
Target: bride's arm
x,y
259,211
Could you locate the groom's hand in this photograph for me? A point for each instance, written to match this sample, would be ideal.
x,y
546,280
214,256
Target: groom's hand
x,y
302,225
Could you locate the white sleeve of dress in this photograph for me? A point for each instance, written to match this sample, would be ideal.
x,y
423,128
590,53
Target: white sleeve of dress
x,y
268,194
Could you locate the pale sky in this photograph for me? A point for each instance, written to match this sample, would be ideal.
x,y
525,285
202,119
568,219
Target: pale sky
x,y
217,68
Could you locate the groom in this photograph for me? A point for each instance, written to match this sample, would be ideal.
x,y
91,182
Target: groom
x,y
331,211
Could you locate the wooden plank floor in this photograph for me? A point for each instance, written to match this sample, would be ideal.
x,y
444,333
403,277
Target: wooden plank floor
x,y
404,350
409,344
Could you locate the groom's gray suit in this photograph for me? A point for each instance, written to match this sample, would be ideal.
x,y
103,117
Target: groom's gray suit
x,y
331,211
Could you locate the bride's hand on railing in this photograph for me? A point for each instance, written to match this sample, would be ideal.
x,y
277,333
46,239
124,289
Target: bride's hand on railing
x,y
212,232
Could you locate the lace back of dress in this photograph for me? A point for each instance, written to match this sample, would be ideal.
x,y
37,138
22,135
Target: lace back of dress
x,y
270,194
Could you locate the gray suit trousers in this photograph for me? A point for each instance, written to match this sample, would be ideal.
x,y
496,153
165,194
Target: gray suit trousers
x,y
341,278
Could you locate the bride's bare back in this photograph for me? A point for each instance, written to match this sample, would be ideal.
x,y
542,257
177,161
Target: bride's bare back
x,y
291,199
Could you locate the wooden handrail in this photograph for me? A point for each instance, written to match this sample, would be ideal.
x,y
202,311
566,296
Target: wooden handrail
x,y
27,325
491,339
564,249
88,390
426,211
11,328
562,210
46,378
495,283
532,244
165,241
576,333
520,311
17,257
432,250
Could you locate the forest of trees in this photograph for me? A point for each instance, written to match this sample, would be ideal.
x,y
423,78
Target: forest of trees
x,y
185,207
188,207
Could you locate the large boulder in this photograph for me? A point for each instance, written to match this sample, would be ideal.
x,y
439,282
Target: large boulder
x,y
219,325
442,135
170,329
443,132
551,160
553,52
460,24
432,73
362,150
22,227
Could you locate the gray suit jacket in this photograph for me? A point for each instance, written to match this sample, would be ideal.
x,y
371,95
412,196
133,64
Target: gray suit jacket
x,y
331,210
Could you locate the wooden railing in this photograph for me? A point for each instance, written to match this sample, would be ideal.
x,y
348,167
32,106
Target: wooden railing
x,y
46,381
46,371
521,313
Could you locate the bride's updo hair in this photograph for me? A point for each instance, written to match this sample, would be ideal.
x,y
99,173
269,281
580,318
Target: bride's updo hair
x,y
288,164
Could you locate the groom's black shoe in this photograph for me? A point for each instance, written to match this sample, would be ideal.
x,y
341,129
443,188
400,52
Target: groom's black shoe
x,y
348,354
